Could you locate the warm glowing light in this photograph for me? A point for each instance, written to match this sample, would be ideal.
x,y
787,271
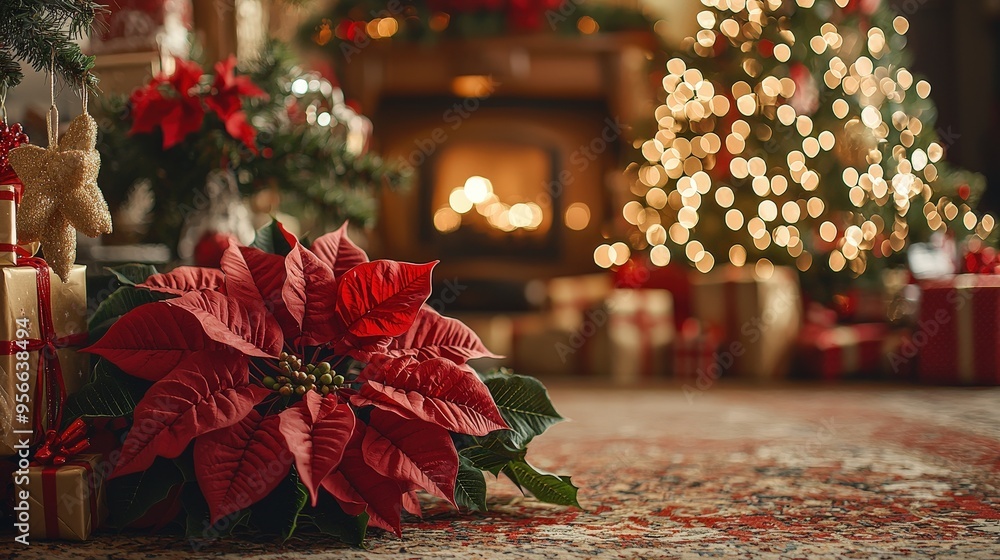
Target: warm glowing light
x,y
578,216
587,25
764,269
520,216
472,86
737,255
659,255
477,189
604,256
621,253
447,220
459,202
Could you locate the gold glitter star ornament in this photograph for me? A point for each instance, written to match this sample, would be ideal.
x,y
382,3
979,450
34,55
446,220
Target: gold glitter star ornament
x,y
61,194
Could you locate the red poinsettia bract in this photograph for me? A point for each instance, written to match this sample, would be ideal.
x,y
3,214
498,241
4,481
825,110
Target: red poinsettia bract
x,y
320,359
177,103
226,100
171,103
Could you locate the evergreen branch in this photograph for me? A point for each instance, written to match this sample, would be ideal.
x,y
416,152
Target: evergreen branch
x,y
10,72
35,31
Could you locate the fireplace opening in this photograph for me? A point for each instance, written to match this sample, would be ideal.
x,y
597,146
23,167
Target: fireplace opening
x,y
491,197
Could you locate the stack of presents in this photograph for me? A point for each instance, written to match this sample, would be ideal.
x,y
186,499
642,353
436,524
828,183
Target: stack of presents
x,y
643,323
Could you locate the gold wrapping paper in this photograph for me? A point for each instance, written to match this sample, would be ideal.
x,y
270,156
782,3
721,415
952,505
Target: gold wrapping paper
x,y
760,319
19,299
74,517
634,336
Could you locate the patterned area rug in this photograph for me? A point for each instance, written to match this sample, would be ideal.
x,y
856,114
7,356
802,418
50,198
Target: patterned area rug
x,y
729,472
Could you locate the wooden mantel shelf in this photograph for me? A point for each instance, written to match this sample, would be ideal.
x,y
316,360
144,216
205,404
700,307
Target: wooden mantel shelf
x,y
610,66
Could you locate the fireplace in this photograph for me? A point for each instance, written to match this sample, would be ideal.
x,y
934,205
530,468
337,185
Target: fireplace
x,y
517,145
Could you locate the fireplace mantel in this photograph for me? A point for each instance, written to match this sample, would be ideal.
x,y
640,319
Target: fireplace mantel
x,y
610,67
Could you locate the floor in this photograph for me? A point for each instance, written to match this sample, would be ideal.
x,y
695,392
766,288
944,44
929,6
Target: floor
x,y
858,472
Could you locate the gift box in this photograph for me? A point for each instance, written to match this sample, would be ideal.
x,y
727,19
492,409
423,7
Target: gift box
x,y
758,318
64,502
130,26
632,336
899,356
694,351
42,321
571,297
544,347
640,274
958,332
838,352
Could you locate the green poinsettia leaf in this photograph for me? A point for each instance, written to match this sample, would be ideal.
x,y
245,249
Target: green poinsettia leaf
x,y
111,393
490,454
132,274
546,487
470,486
273,238
120,302
199,529
131,496
524,403
280,510
331,520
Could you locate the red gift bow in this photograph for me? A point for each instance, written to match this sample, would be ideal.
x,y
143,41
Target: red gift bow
x,y
51,496
9,177
58,448
50,379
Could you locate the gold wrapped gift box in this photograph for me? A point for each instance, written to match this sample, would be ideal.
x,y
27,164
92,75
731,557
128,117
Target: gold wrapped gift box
x,y
19,300
66,502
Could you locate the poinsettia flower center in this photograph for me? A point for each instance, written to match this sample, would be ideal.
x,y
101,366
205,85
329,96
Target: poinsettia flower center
x,y
292,375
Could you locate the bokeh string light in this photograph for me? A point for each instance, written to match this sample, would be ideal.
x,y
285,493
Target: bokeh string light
x,y
793,133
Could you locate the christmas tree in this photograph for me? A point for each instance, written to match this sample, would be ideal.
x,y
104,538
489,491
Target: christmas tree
x,y
793,133
42,33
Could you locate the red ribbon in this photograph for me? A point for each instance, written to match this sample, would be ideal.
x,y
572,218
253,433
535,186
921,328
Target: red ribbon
x,y
9,177
49,380
58,447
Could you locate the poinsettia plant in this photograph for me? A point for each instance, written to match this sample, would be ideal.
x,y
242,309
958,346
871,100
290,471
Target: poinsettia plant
x,y
304,147
307,379
176,104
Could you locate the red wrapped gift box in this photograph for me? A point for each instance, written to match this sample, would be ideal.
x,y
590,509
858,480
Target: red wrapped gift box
x,y
836,352
144,25
959,330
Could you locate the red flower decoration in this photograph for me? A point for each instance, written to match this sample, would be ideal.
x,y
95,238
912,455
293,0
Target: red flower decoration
x,y
170,103
318,358
226,100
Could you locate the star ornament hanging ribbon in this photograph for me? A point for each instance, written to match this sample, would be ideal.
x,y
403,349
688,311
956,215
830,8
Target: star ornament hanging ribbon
x,y
61,195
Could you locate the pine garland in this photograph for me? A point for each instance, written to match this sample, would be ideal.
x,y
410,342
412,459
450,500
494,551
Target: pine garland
x,y
34,31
